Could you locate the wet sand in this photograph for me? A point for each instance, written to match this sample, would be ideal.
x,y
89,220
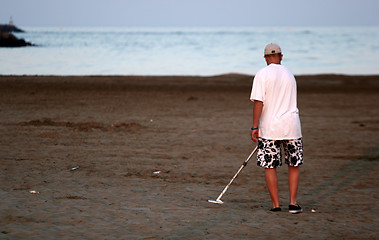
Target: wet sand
x,y
151,151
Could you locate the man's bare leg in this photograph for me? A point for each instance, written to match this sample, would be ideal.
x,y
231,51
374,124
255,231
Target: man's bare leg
x,y
272,184
293,182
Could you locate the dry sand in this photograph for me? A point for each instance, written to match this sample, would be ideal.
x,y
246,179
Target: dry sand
x,y
196,131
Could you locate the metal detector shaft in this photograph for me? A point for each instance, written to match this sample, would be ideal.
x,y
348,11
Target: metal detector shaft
x,y
234,177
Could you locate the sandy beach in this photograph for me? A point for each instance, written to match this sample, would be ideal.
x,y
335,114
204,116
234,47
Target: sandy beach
x,y
133,157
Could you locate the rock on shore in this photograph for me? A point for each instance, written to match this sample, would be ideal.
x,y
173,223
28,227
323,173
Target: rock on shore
x,y
9,28
7,39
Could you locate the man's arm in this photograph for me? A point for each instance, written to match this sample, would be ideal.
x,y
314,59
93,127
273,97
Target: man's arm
x,y
258,105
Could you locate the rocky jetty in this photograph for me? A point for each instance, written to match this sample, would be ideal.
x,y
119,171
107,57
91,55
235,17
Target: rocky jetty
x,y
9,28
10,40
7,39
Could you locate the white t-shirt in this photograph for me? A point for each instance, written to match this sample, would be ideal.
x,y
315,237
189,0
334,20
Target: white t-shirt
x,y
275,86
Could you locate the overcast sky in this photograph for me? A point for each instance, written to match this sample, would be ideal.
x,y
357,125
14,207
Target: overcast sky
x,y
190,13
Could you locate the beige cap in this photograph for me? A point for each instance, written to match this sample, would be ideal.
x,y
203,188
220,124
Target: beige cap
x,y
272,48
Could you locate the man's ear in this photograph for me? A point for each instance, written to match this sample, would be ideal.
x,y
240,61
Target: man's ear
x,y
267,59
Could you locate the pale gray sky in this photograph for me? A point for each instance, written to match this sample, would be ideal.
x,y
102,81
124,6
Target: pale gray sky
x,y
190,13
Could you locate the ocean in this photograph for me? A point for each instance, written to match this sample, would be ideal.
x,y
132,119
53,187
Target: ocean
x,y
191,51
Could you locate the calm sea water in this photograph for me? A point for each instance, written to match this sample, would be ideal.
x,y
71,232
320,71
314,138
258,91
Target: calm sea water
x,y
191,51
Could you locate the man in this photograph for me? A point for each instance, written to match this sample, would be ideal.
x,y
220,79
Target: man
x,y
276,125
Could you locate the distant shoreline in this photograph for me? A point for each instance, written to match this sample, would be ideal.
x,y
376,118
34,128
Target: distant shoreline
x,y
225,82
178,75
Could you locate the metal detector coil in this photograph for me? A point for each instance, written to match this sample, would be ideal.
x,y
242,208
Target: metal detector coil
x,y
218,200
